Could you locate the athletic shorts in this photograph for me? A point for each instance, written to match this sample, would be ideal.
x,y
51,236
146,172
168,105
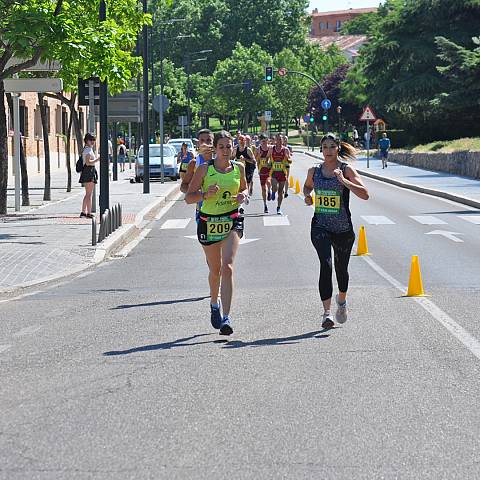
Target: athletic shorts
x,y
249,171
184,167
264,175
280,177
384,154
212,229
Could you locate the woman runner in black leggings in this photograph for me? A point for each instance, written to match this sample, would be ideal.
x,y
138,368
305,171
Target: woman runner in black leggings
x,y
331,182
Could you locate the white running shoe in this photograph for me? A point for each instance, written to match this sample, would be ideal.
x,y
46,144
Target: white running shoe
x,y
341,313
327,320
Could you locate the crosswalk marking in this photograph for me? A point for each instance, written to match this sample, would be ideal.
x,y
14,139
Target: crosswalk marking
x,y
377,220
176,223
427,220
275,221
471,218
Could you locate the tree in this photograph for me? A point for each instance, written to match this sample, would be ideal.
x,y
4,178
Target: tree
x,y
332,88
461,69
291,90
399,64
244,64
70,32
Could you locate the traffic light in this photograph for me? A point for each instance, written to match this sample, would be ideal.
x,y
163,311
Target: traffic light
x,y
312,118
325,117
269,74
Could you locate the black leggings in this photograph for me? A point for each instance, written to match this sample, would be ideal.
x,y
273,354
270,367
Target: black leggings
x,y
342,244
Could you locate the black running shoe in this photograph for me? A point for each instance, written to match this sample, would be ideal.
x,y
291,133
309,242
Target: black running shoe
x,y
327,320
215,316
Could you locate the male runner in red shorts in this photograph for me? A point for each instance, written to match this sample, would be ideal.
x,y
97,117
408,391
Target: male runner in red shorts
x,y
280,160
263,155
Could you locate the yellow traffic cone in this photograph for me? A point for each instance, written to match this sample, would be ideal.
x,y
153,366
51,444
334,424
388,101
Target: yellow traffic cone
x,y
297,186
290,183
362,247
415,284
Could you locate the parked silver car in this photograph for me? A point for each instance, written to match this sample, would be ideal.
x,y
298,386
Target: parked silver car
x,y
170,168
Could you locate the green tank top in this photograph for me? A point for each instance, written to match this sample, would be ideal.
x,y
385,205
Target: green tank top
x,y
225,201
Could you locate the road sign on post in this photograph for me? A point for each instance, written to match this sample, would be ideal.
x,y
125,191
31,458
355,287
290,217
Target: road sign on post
x,y
268,115
368,116
326,103
282,71
159,103
84,91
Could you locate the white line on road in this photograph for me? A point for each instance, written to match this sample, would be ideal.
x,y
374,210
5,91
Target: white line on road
x,y
427,220
130,246
27,331
377,220
4,348
276,221
449,235
175,223
443,318
168,206
19,297
471,218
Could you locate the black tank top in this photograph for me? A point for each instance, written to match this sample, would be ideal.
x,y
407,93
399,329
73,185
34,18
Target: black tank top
x,y
243,153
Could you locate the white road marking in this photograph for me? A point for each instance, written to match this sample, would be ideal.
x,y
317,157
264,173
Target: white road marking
x,y
470,342
242,240
168,206
27,331
449,235
471,218
377,220
278,221
175,223
428,220
4,348
193,237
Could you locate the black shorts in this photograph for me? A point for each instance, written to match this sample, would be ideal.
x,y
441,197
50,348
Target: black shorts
x,y
212,229
249,171
89,174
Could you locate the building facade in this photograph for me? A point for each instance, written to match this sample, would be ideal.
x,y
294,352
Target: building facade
x,y
330,23
58,117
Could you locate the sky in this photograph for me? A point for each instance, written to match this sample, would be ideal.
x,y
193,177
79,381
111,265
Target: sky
x,y
331,5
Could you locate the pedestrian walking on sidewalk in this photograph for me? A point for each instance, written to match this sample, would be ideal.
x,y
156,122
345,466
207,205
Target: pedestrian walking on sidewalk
x,y
122,155
331,183
89,176
222,187
384,145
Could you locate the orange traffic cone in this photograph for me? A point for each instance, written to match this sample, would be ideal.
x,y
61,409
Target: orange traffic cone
x,y
415,284
362,247
297,186
290,182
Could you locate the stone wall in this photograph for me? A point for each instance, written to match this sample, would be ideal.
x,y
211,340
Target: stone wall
x,y
466,164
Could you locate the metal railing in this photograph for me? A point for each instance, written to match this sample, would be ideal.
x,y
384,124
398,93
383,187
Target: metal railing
x,y
109,222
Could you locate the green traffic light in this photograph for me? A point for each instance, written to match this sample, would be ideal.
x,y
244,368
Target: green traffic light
x,y
269,78
324,118
312,119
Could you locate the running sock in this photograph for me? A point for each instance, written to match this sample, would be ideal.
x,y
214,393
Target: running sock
x,y
226,318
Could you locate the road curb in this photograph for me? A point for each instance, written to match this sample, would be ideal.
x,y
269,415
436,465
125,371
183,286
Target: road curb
x,y
109,246
417,188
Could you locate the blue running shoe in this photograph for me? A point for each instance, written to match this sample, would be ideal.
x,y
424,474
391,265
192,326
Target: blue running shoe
x,y
273,196
215,316
226,328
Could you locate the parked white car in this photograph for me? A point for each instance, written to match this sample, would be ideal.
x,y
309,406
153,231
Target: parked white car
x,y
170,167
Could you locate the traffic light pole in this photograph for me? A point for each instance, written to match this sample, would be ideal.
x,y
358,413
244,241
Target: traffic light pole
x,y
302,74
146,136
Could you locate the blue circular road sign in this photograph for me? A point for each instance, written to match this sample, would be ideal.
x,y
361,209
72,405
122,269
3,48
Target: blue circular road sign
x,y
326,104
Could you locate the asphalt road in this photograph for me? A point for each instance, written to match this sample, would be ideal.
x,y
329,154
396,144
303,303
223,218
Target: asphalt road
x,y
118,374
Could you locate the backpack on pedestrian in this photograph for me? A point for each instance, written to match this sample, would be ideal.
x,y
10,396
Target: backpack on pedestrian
x,y
79,164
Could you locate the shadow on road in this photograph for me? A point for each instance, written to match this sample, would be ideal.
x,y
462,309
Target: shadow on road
x,y
163,302
181,342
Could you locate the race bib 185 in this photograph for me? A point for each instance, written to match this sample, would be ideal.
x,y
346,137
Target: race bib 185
x,y
327,201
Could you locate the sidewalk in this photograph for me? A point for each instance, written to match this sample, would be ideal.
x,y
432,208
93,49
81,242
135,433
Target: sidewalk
x,y
453,187
51,241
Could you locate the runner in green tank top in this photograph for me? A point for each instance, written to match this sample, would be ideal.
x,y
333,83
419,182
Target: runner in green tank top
x,y
222,187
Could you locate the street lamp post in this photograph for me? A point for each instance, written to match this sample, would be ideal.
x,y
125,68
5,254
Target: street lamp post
x,y
146,136
339,111
188,63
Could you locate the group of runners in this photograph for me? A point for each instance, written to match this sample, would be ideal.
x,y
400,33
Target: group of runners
x,y
219,180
